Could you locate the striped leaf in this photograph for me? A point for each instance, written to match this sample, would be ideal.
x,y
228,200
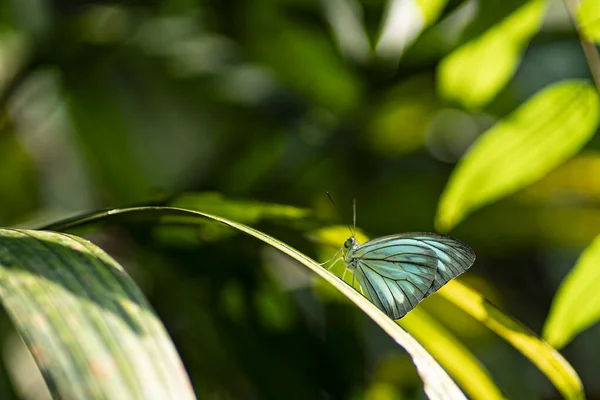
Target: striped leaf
x,y
89,328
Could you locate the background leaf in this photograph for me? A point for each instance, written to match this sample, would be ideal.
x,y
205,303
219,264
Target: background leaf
x,y
103,138
588,16
403,22
89,328
248,212
520,149
460,363
546,358
576,305
327,82
475,72
244,211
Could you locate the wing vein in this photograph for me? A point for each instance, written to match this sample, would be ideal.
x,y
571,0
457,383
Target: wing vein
x,y
395,245
374,291
447,253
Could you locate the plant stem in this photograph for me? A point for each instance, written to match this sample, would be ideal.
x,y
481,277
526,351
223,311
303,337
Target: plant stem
x,y
589,48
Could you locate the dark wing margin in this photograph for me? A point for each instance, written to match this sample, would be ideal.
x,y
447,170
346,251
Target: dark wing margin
x,y
454,258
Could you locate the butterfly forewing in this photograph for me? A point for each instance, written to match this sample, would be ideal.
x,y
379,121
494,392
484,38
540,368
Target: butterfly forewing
x,y
397,272
454,258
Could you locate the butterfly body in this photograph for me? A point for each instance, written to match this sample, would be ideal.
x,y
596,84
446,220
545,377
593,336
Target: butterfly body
x,y
397,272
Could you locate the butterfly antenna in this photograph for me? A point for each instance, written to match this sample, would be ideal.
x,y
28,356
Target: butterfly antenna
x,y
354,216
340,214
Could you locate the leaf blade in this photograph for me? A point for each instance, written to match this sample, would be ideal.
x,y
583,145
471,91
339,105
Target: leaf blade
x,y
521,149
546,358
456,358
475,72
588,16
576,304
94,335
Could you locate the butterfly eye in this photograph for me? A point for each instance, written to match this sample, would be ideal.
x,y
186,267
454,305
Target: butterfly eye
x,y
348,243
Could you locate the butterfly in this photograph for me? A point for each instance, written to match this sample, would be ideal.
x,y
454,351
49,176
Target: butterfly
x,y
396,272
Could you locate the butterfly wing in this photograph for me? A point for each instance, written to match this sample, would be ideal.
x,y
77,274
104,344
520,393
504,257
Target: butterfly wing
x,y
395,275
399,271
454,257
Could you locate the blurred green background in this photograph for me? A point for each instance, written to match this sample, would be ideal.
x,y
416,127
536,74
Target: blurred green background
x,y
107,104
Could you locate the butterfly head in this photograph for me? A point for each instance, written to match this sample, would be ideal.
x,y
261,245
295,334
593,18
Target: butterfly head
x,y
350,243
349,246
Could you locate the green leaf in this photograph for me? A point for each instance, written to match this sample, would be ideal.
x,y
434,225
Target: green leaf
x,y
403,23
437,383
452,354
431,9
544,356
348,28
588,16
576,304
475,72
104,137
283,44
522,148
18,182
90,329
402,119
245,211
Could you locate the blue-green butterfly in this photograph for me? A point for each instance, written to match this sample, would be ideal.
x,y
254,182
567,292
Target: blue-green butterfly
x,y
396,272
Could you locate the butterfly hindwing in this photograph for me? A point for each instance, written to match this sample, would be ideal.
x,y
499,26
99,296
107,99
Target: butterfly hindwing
x,y
376,291
421,274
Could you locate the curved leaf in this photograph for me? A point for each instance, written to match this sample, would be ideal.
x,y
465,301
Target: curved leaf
x,y
522,148
576,304
449,352
475,72
282,44
348,28
104,137
90,329
437,383
588,16
546,358
403,22
431,9
243,211
240,210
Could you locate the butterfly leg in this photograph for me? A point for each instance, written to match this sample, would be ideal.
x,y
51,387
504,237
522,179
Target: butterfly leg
x,y
360,289
333,264
335,255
